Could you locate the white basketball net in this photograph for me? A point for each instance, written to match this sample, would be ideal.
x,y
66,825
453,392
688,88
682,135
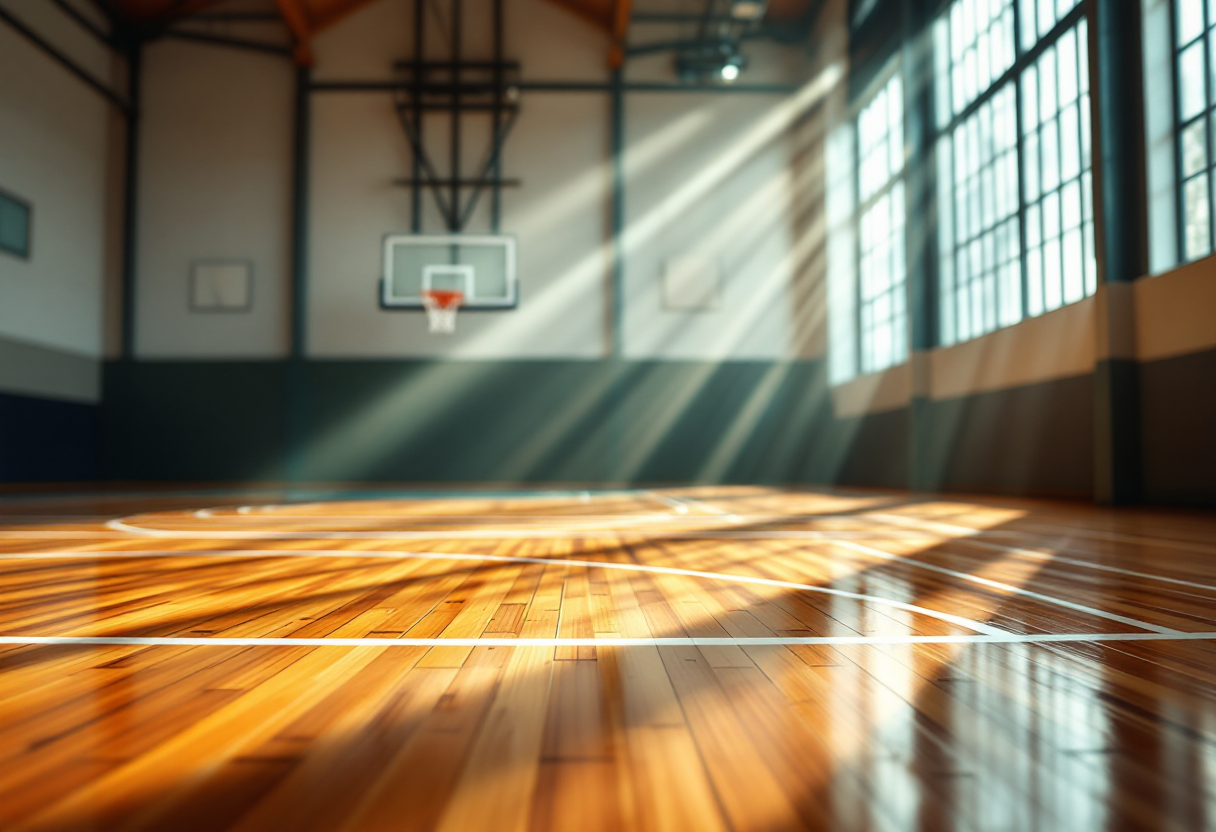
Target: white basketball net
x,y
441,309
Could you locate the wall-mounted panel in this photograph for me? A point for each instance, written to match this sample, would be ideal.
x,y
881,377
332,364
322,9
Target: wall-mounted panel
x,y
215,185
708,176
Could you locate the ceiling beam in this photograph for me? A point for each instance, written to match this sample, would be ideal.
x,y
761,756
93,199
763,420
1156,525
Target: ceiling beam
x,y
622,12
308,18
581,9
298,24
327,14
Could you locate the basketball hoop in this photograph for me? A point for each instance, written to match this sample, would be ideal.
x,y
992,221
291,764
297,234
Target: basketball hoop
x,y
441,307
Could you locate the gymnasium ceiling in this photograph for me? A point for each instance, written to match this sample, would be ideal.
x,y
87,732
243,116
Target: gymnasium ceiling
x,y
304,19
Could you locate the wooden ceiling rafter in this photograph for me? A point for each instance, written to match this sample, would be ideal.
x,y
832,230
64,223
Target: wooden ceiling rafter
x,y
596,12
307,18
620,32
151,15
328,12
296,19
611,16
304,19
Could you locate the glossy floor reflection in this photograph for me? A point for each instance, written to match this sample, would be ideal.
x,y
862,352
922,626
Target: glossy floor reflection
x,y
679,659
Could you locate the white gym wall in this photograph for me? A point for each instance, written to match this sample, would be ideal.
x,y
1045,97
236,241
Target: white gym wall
x,y
56,149
214,184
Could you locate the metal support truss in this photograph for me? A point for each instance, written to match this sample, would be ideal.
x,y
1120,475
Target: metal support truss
x,y
458,88
54,53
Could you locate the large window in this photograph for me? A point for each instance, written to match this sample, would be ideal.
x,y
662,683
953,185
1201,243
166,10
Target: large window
x,y
867,268
980,258
1012,173
883,272
1057,180
1195,28
1014,184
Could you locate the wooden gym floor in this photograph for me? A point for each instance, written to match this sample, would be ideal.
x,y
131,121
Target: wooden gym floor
x,y
686,659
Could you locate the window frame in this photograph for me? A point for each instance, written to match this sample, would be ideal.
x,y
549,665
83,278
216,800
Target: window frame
x,y
28,252
878,84
1207,114
1023,59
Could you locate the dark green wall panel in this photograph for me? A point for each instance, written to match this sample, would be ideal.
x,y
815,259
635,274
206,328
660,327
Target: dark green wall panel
x,y
576,422
197,421
48,441
544,421
1036,439
456,421
1178,429
874,450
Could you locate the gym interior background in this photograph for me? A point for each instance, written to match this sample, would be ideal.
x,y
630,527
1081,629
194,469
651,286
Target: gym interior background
x,y
197,136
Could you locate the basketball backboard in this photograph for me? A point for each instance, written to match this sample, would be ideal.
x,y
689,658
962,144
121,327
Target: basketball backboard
x,y
482,267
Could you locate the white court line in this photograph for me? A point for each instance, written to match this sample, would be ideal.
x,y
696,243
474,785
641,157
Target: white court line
x,y
58,534
514,534
1004,587
572,522
679,506
1095,534
1067,531
682,505
969,539
1009,588
646,533
530,518
527,534
476,534
729,515
977,626
774,641
681,517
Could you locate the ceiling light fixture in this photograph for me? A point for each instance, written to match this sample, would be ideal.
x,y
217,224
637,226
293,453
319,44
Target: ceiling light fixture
x,y
719,61
749,10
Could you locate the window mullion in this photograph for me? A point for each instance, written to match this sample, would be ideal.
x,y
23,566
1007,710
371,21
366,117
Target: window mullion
x,y
1058,118
857,255
1085,100
1206,116
1017,82
1179,199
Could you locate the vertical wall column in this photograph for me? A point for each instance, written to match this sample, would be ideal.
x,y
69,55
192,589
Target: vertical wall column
x,y
296,400
416,105
496,119
617,141
301,148
921,237
1121,192
118,377
616,300
130,212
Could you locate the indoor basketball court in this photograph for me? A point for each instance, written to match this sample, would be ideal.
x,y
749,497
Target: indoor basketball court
x,y
740,415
